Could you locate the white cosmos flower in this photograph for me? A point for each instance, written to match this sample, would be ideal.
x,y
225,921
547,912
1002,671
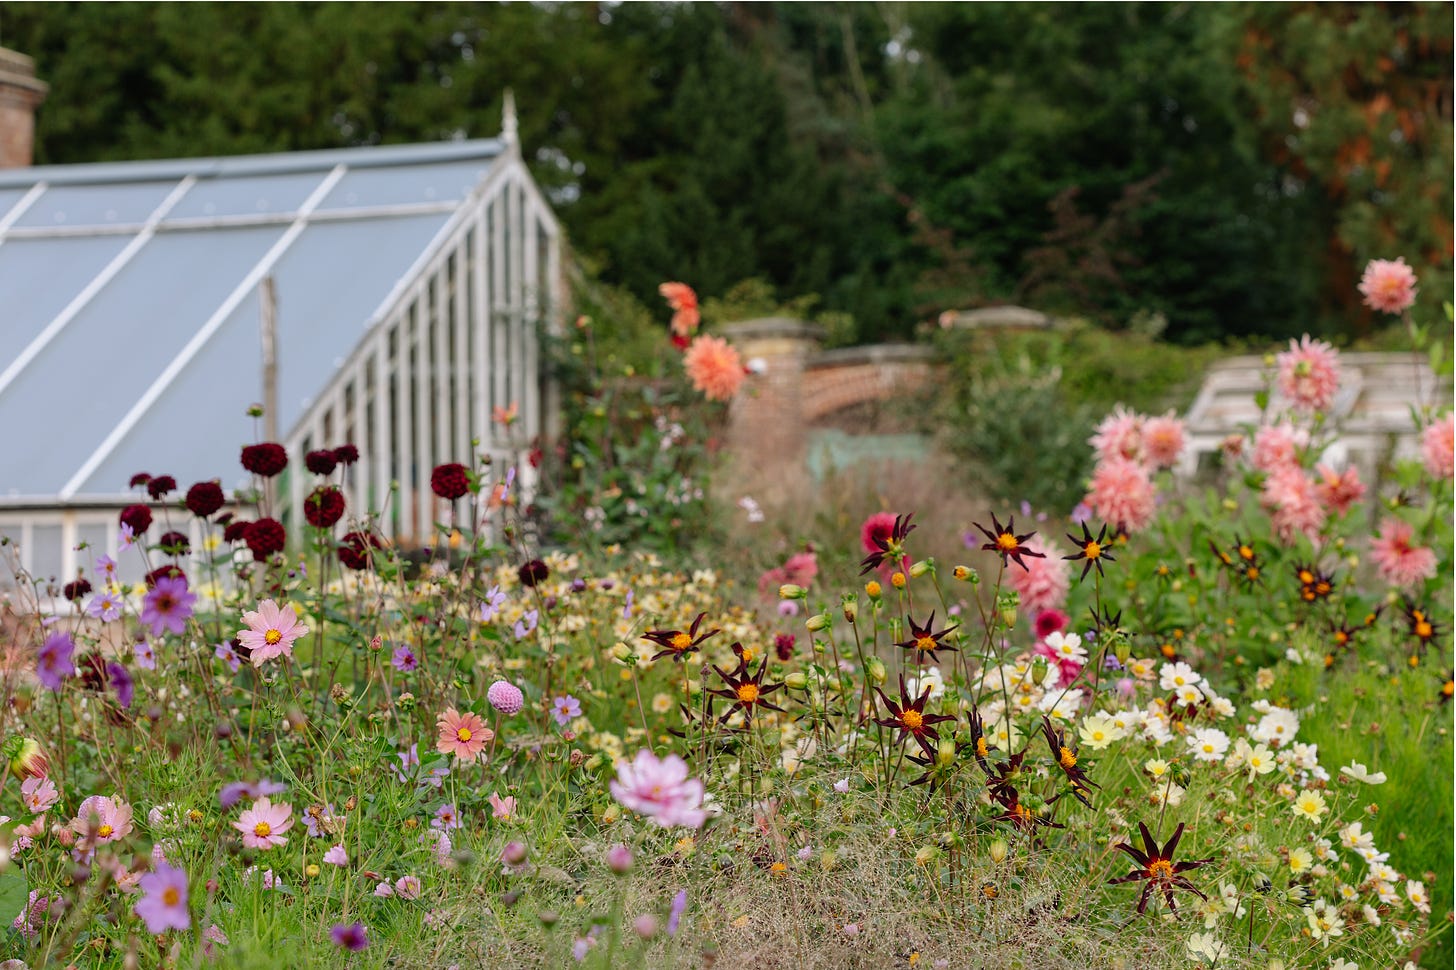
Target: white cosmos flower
x,y
1359,772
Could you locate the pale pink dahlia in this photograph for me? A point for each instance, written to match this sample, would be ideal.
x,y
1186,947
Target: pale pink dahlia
x,y
270,632
1293,504
1120,435
1042,585
1437,446
263,825
1388,285
714,367
1309,374
101,820
1278,446
1338,491
1163,440
1122,494
1399,563
660,789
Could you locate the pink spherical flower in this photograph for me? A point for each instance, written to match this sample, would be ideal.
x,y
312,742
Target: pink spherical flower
x,y
1043,584
1388,285
101,820
270,632
660,789
1338,491
1122,493
505,697
1437,447
1278,446
1120,435
263,825
1399,563
463,735
1163,440
1309,374
714,367
1293,504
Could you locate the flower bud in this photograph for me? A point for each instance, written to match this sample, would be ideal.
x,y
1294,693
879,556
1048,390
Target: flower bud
x,y
851,609
791,591
513,854
998,850
1038,670
619,859
921,568
1122,650
926,854
645,926
1008,618
897,580
311,871
796,680
875,667
945,752
26,758
873,590
817,622
964,573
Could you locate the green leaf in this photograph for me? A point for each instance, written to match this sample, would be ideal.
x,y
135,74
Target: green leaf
x,y
14,891
1262,399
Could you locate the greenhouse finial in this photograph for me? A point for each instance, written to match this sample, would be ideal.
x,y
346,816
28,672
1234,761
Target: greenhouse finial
x,y
508,121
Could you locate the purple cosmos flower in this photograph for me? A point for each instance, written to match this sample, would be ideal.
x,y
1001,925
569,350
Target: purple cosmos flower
x,y
105,568
564,709
236,791
119,679
627,607
1082,513
228,655
315,823
407,760
126,536
679,903
436,777
145,656
53,662
494,601
337,856
350,936
404,659
446,818
106,606
163,905
526,624
168,606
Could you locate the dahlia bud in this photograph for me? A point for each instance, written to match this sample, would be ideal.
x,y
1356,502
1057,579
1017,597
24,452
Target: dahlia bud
x,y
998,850
619,859
791,591
1008,617
921,568
645,926
817,622
311,871
873,590
796,680
851,608
963,573
945,753
1122,650
897,580
1038,670
513,854
26,758
875,667
926,854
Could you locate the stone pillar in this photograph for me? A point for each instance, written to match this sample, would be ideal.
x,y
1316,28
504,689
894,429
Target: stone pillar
x,y
20,95
766,427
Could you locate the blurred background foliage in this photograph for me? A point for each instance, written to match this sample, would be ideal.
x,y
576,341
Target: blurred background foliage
x,y
1229,167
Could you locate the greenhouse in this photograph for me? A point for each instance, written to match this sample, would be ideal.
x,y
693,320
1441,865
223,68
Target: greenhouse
x,y
389,297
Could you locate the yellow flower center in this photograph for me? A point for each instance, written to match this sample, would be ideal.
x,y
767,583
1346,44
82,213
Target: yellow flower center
x,y
988,891
926,643
913,719
981,748
262,830
1424,630
747,693
1246,552
1006,542
1092,550
272,637
105,831
170,896
1306,577
1066,758
681,641
463,735
1160,869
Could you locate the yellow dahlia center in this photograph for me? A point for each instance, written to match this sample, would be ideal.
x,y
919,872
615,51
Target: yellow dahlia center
x,y
1160,869
170,896
463,735
1092,550
272,637
1305,576
1006,542
913,719
105,831
681,641
262,830
1246,552
1067,758
926,643
1423,629
747,693
981,748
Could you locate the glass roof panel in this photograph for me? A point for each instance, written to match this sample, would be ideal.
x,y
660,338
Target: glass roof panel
x,y
247,195
404,184
8,198
96,205
39,277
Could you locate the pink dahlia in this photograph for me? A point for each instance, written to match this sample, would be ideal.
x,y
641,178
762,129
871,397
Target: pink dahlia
x,y
505,697
1278,446
463,735
684,303
270,632
1042,585
101,820
1293,504
1049,622
1437,447
1309,374
714,367
660,789
1120,435
876,528
1338,491
1122,493
263,825
1163,440
1388,285
1399,563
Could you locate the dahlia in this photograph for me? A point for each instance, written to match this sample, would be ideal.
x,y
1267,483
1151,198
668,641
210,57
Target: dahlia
x,y
1388,285
1399,563
1309,374
1437,447
321,462
346,454
1123,493
161,486
505,697
684,303
204,498
1120,435
1338,491
324,506
1293,504
533,572
356,550
660,789
714,367
450,481
266,459
1163,440
1043,583
1278,446
265,537
270,632
138,517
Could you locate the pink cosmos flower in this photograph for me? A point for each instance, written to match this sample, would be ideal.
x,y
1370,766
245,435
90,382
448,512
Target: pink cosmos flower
x,y
463,735
505,697
263,825
1120,435
1437,446
212,938
660,789
1338,491
101,820
1122,493
1278,446
1042,585
270,632
1163,440
1400,564
39,794
1388,285
1293,504
407,887
714,367
337,856
163,904
502,807
1309,374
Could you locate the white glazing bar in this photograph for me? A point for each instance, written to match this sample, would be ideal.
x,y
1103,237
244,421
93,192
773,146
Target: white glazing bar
x,y
515,258
68,545
380,434
404,436
422,514
460,348
194,346
550,421
532,303
20,208
499,305
479,323
98,282
442,361
297,476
